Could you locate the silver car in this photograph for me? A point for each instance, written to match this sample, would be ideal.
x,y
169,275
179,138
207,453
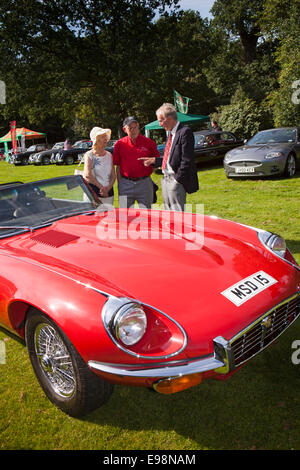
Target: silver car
x,y
268,153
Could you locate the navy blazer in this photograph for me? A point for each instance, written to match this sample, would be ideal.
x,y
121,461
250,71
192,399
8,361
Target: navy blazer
x,y
182,159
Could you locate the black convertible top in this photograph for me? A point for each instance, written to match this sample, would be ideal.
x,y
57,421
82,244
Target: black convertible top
x,y
7,185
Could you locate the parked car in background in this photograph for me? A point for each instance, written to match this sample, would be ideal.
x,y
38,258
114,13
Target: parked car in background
x,y
110,146
270,152
22,158
75,153
44,158
71,155
74,287
211,145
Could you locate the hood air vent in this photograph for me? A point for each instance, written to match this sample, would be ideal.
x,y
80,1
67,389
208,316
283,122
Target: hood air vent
x,y
55,238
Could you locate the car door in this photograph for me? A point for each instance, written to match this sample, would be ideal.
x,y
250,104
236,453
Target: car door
x,y
218,144
200,150
228,141
215,145
203,147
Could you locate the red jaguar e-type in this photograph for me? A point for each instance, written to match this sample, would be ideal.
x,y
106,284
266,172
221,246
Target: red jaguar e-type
x,y
135,297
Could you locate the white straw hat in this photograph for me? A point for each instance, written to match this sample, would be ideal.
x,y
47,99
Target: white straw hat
x,y
99,131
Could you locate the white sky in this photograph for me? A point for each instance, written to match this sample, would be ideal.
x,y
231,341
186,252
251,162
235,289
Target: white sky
x,y
203,6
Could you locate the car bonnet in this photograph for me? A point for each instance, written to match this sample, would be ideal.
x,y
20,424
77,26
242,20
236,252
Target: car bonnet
x,y
185,279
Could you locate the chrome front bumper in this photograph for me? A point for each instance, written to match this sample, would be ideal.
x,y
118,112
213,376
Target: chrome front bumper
x,y
217,362
202,365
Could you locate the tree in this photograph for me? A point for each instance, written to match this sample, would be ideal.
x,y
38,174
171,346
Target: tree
x,y
182,47
243,115
240,19
281,20
243,59
77,59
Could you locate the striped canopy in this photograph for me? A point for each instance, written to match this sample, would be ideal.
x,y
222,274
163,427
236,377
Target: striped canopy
x,y
22,131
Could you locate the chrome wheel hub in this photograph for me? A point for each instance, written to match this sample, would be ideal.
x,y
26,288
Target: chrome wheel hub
x,y
55,360
291,166
46,363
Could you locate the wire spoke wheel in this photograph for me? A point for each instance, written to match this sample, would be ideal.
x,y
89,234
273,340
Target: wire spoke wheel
x,y
62,373
55,360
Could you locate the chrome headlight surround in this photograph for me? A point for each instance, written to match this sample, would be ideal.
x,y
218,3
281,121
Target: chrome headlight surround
x,y
125,321
273,242
118,310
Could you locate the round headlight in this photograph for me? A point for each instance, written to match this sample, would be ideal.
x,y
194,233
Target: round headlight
x,y
274,242
130,324
277,244
272,155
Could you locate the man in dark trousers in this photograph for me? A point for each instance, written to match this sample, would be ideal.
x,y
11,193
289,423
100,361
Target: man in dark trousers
x,y
178,164
134,181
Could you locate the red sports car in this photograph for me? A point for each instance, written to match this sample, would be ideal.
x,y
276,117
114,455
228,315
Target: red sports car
x,y
136,297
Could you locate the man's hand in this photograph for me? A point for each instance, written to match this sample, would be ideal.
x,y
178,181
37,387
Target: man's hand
x,y
148,160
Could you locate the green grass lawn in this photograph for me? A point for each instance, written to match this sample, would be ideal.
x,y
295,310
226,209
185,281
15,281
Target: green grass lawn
x,y
258,408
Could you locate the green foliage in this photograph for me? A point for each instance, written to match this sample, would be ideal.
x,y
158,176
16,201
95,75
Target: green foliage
x,y
243,116
282,19
240,19
70,65
89,63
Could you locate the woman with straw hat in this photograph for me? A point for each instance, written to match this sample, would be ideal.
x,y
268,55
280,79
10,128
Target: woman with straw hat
x,y
98,166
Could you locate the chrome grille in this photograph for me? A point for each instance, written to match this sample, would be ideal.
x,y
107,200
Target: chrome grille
x,y
264,331
245,163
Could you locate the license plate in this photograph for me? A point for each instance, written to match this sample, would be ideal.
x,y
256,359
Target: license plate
x,y
244,169
247,288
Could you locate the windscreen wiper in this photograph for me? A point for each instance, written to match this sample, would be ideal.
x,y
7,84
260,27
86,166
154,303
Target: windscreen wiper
x,y
21,227
13,229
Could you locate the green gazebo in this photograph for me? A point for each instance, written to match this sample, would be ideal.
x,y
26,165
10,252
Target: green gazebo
x,y
184,118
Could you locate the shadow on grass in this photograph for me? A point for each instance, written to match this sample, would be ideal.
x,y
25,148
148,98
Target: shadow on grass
x,y
280,177
257,408
294,246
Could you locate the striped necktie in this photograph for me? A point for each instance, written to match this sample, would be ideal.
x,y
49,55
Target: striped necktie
x,y
167,151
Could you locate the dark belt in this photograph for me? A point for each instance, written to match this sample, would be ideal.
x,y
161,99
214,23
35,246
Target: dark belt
x,y
135,179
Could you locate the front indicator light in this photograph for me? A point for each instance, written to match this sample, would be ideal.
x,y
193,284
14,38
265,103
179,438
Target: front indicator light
x,y
177,384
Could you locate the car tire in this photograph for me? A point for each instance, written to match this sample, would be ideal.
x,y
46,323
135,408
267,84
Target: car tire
x,y
290,166
63,375
69,160
46,161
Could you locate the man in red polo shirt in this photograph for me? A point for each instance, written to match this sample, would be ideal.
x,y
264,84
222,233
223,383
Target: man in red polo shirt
x,y
134,182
